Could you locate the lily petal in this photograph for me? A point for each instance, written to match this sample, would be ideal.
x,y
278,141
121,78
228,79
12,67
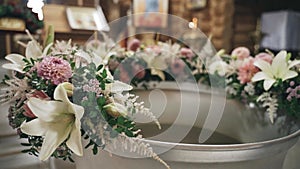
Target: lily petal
x,y
268,83
289,74
264,66
119,86
35,127
45,52
15,67
15,58
159,63
294,63
45,110
74,141
78,111
17,62
259,76
60,93
33,50
279,64
56,135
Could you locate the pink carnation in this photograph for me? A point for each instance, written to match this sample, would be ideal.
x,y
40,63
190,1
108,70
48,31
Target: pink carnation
x,y
177,66
188,53
134,44
246,71
264,56
55,69
241,53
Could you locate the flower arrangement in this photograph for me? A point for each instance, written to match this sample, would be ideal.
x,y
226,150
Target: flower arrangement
x,y
268,81
138,63
62,94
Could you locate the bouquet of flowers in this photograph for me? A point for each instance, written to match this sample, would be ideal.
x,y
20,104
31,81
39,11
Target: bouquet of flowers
x,y
266,80
62,94
138,64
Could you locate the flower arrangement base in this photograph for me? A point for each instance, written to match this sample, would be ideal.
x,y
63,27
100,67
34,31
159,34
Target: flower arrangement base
x,y
244,138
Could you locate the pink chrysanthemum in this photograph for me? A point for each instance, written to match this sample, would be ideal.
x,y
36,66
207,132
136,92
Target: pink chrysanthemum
x,y
55,69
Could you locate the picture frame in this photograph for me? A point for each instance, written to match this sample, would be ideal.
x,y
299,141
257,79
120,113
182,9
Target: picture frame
x,y
86,18
149,13
196,4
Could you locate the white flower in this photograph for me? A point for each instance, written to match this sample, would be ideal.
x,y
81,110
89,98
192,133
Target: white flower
x,y
116,109
33,50
219,67
279,69
57,121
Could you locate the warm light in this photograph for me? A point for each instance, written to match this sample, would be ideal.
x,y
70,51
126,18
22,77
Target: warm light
x,y
194,23
36,6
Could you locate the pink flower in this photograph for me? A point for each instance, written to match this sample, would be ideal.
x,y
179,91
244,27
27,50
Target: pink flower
x,y
55,69
188,53
156,49
134,44
38,94
138,70
27,112
247,70
241,53
264,56
124,76
177,66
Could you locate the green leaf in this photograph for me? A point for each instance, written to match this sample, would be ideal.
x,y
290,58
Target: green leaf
x,y
101,101
25,144
26,151
129,133
50,36
121,120
99,67
95,149
89,144
104,73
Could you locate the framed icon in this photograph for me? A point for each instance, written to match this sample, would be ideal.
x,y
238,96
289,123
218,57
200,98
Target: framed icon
x,y
150,13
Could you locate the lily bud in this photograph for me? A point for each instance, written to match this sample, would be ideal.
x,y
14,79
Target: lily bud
x,y
115,109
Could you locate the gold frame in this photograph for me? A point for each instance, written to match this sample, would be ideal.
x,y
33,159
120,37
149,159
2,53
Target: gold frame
x,y
152,19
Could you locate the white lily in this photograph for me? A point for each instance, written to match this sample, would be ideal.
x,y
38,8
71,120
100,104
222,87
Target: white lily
x,y
33,50
57,121
278,70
